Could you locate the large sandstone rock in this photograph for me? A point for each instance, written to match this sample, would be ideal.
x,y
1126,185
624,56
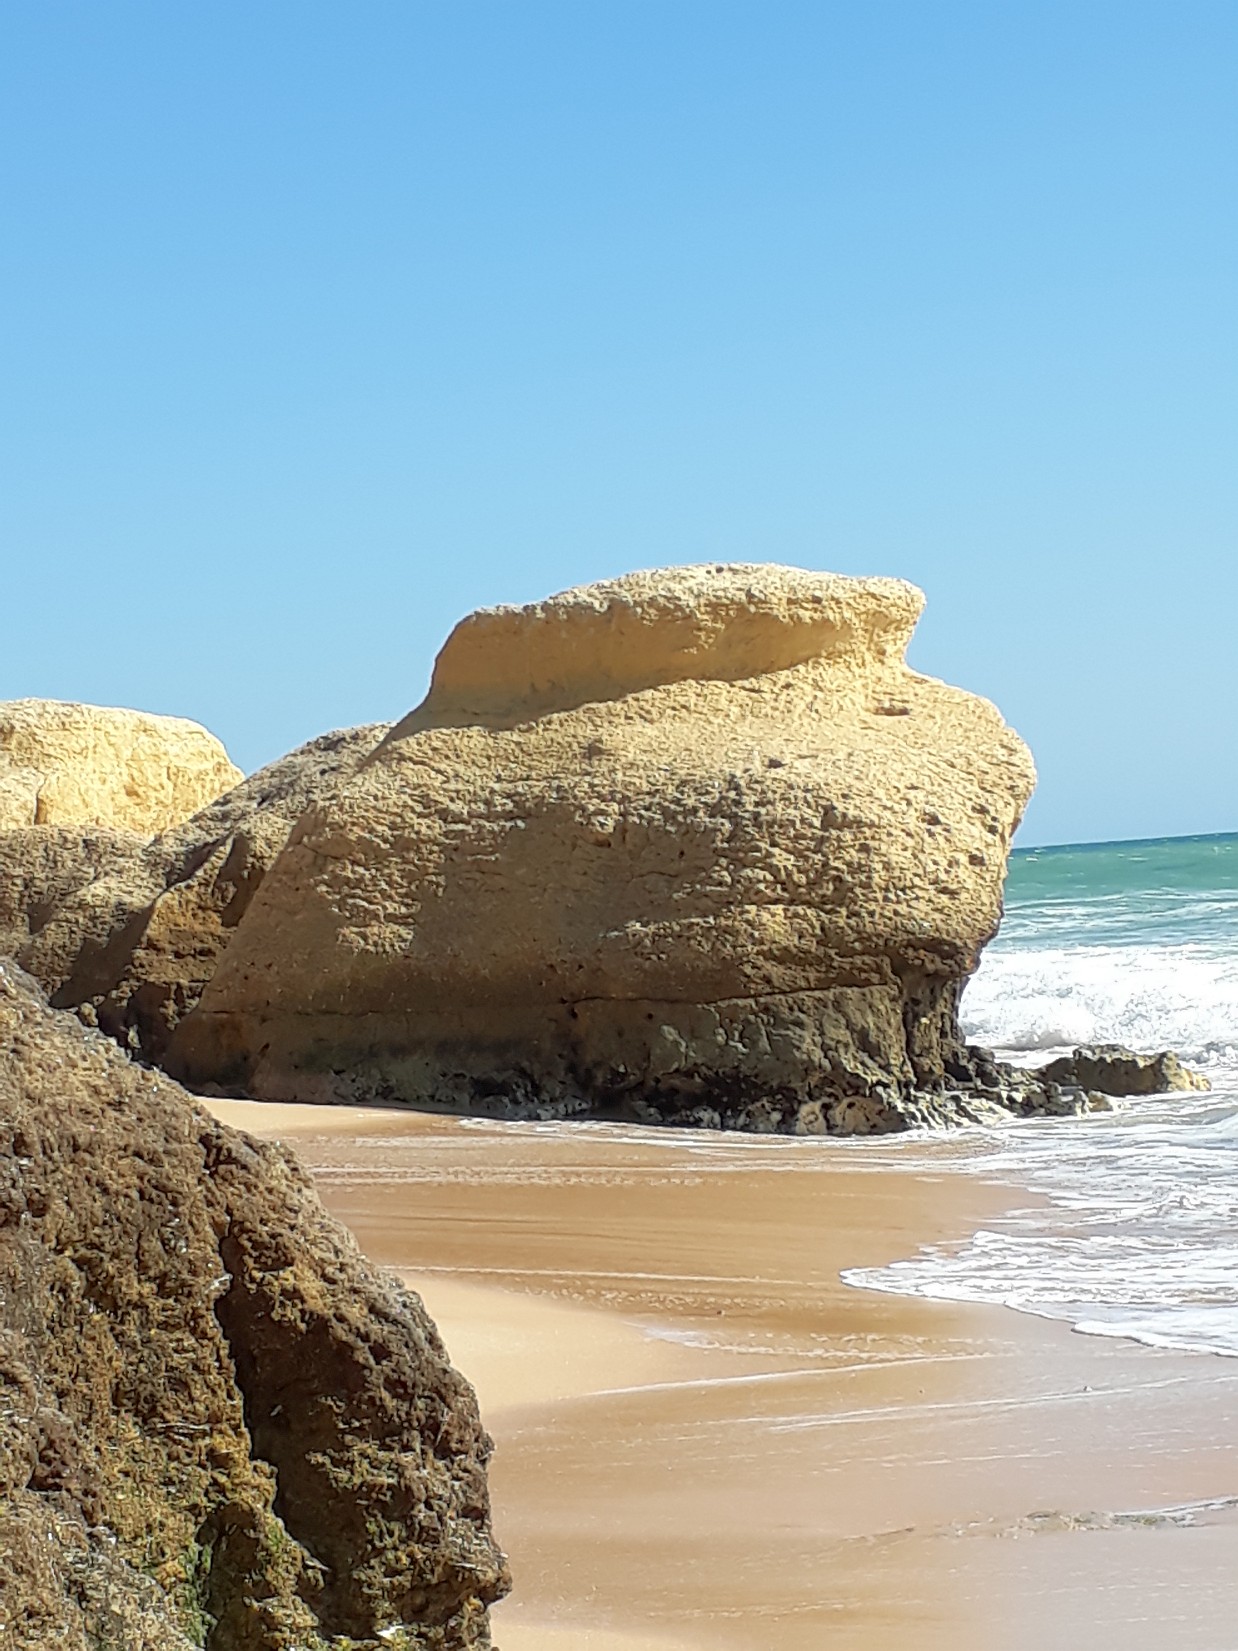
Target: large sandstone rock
x,y
63,764
129,932
219,1424
690,845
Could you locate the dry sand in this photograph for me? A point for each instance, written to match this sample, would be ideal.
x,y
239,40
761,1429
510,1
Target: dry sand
x,y
706,1440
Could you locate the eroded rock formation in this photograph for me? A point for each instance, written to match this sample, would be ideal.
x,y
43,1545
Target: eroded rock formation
x,y
694,845
128,931
1112,1069
63,764
219,1424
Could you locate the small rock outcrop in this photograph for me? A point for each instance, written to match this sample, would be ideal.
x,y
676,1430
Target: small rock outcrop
x,y
220,1426
128,932
1112,1069
693,846
63,764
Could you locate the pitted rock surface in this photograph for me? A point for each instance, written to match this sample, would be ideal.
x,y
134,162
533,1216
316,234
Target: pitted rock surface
x,y
1112,1069
129,932
220,1426
691,844
64,764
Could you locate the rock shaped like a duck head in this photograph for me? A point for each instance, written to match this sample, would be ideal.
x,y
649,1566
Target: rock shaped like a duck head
x,y
715,622
690,845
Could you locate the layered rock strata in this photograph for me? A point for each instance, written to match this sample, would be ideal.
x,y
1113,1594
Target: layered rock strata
x,y
220,1426
128,932
690,846
63,764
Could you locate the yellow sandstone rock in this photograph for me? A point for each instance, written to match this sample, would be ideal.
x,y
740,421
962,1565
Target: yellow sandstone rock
x,y
127,929
63,764
694,845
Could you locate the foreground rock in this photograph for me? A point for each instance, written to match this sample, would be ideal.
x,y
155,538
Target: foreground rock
x,y
693,846
63,764
1115,1070
128,932
219,1425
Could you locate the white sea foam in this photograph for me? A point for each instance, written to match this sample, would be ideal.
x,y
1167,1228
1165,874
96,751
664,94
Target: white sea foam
x,y
1139,1236
1046,997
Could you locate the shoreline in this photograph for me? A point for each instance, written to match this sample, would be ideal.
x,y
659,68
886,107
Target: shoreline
x,y
706,1439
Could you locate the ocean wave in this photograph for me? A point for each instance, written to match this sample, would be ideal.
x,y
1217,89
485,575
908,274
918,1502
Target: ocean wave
x,y
1137,1237
1034,998
1137,1232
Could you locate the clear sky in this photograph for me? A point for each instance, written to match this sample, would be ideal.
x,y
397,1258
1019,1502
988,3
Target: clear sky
x,y
325,323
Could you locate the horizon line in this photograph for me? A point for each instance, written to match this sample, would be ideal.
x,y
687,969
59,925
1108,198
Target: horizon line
x,y
1125,842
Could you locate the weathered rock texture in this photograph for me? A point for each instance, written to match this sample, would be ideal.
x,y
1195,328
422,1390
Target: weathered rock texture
x,y
219,1425
89,765
129,931
693,845
1113,1069
42,867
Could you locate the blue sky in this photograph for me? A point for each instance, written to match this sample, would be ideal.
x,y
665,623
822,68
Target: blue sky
x,y
323,324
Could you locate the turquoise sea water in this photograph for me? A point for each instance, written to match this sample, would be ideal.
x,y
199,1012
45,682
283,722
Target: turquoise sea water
x,y
1123,942
1133,943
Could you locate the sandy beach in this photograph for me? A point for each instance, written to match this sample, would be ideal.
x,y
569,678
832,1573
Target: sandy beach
x,y
705,1439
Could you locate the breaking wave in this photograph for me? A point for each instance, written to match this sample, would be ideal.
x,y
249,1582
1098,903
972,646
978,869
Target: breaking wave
x,y
1133,943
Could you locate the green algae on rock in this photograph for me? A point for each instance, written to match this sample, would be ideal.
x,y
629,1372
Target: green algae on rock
x,y
219,1424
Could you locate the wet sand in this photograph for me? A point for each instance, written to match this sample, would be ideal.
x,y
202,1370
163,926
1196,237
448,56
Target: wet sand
x,y
705,1439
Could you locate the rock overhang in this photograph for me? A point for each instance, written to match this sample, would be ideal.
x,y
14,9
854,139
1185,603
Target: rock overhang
x,y
703,622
